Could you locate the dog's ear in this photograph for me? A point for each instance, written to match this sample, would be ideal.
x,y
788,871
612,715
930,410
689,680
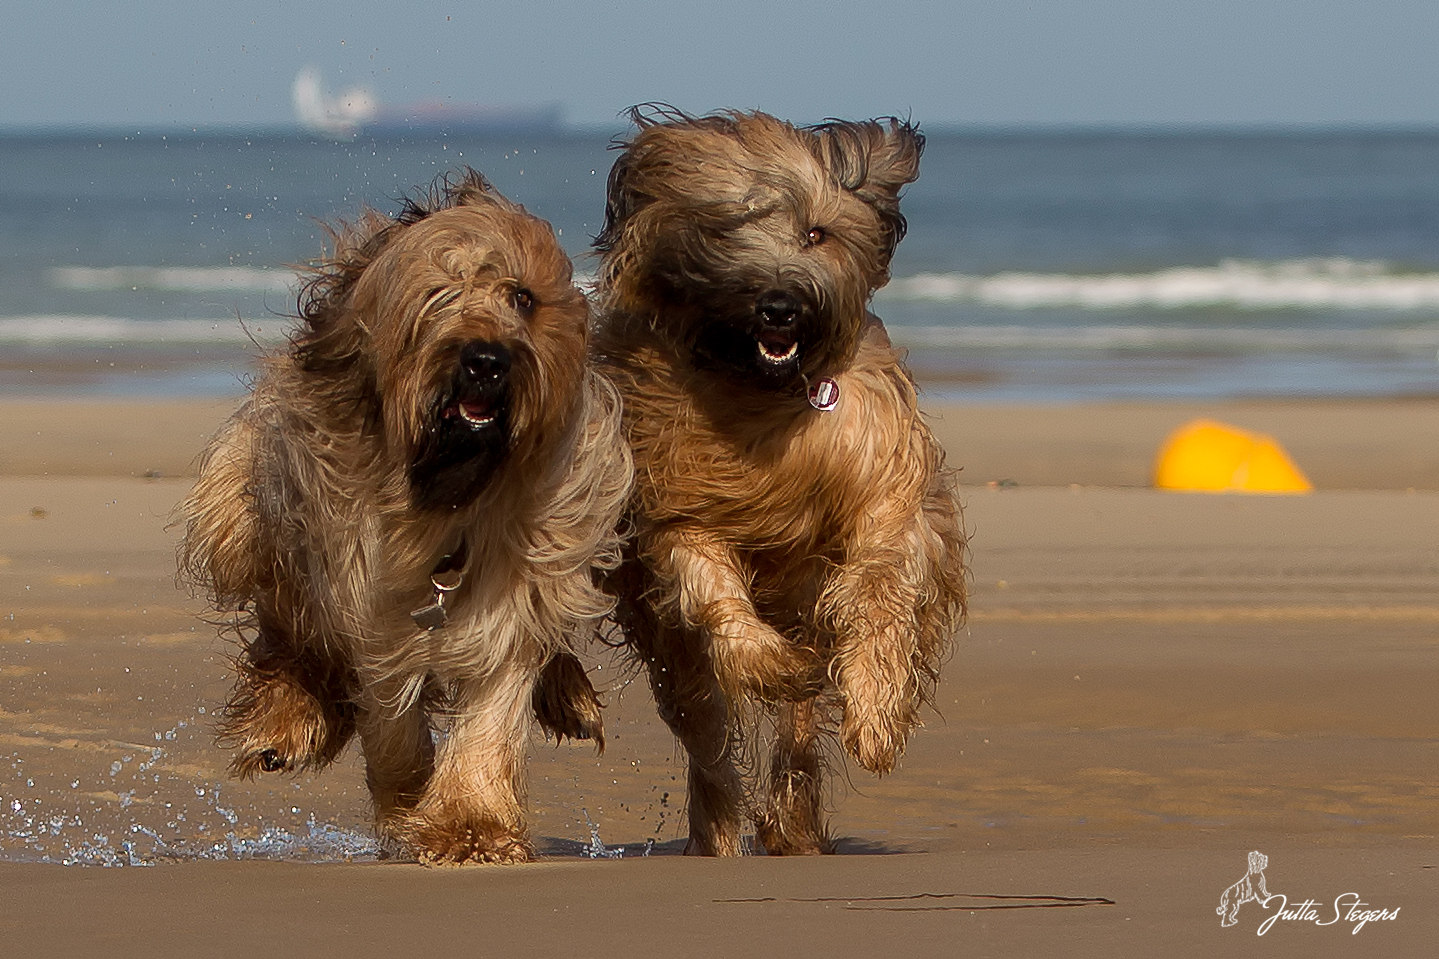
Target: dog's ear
x,y
332,339
621,201
623,197
472,189
466,187
874,156
873,159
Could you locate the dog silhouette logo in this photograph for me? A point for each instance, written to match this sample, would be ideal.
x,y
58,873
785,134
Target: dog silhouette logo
x,y
1251,888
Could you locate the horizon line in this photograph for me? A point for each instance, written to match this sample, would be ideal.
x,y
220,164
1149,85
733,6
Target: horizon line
x,y
620,125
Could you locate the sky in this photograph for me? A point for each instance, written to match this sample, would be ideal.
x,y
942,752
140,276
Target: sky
x,y
152,64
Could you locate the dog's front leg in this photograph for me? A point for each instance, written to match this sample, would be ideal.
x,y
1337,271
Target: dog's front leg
x,y
871,603
472,808
692,705
290,708
793,822
748,656
399,756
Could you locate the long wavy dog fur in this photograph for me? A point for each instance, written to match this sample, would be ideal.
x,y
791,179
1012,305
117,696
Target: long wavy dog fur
x,y
804,560
434,422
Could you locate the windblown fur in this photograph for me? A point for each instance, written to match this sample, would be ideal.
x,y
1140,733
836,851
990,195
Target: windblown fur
x,y
803,560
436,401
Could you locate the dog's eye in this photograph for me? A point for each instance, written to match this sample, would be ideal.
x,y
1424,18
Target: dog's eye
x,y
815,236
523,300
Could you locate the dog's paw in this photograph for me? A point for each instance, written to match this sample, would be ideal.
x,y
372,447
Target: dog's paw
x,y
762,665
566,704
275,724
790,832
875,742
282,737
777,843
249,763
459,840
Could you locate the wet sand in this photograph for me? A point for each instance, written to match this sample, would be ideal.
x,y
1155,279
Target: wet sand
x,y
1151,685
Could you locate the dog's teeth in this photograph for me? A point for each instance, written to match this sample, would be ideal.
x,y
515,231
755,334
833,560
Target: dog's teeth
x,y
477,417
785,357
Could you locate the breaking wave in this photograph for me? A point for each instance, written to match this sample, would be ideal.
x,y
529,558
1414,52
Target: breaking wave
x,y
188,278
1419,339
1327,284
45,330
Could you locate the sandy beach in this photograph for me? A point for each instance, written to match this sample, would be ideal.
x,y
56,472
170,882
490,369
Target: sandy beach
x,y
1151,685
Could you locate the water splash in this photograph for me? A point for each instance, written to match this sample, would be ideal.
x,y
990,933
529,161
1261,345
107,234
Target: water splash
x,y
136,811
143,805
597,848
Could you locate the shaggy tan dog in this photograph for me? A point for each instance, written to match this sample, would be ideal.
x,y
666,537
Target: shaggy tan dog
x,y
407,514
798,539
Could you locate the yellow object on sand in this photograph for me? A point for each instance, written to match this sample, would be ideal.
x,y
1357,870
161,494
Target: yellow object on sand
x,y
1207,456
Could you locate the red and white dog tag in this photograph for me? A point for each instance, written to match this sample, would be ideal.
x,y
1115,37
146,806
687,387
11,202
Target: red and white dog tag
x,y
824,395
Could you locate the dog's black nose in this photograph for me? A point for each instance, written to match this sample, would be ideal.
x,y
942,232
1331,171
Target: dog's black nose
x,y
485,363
777,309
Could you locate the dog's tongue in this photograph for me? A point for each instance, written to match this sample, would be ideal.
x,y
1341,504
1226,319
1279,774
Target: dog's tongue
x,y
777,345
477,412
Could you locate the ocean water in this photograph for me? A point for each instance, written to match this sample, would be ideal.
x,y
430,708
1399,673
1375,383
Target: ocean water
x,y
1038,267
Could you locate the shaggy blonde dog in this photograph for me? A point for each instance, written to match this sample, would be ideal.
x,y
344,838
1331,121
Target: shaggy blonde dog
x,y
798,539
407,515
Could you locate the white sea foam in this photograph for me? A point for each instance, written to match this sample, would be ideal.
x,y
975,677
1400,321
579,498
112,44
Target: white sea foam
x,y
1328,284
52,329
1418,339
176,278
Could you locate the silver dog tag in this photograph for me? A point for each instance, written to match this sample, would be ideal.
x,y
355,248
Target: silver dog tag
x,y
432,616
435,615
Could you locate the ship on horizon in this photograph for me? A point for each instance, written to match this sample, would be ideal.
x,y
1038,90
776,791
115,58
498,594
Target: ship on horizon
x,y
356,109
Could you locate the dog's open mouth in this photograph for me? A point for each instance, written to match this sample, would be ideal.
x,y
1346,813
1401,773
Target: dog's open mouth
x,y
477,412
765,354
777,347
468,435
481,385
